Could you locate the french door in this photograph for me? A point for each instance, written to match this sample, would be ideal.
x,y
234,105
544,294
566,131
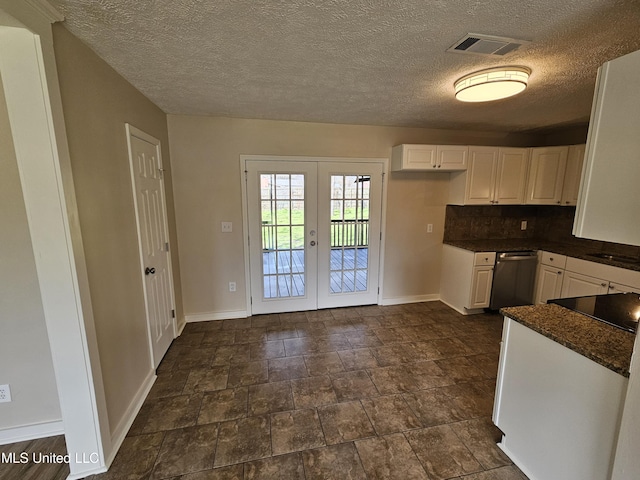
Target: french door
x,y
314,234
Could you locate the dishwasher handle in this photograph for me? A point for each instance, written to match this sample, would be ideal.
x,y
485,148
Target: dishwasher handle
x,y
512,256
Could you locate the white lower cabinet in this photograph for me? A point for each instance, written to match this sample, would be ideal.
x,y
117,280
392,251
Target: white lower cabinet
x,y
481,287
578,285
548,283
562,277
559,411
466,279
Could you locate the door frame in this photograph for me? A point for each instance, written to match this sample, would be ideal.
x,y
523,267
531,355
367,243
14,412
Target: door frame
x,y
32,92
291,158
132,131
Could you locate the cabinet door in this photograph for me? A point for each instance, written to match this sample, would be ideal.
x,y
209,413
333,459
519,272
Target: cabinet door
x,y
511,176
481,175
549,283
451,157
546,175
481,287
413,157
577,285
609,198
572,175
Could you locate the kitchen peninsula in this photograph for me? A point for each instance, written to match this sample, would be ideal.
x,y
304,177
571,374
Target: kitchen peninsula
x,y
561,385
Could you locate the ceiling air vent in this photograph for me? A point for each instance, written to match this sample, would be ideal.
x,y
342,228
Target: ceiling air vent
x,y
476,44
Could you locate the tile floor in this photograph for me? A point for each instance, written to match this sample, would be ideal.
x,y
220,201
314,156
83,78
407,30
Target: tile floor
x,y
399,392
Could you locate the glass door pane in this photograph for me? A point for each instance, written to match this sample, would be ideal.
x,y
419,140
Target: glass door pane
x,y
282,213
282,220
349,233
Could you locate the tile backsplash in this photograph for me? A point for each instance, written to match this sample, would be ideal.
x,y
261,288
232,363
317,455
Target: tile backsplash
x,y
554,223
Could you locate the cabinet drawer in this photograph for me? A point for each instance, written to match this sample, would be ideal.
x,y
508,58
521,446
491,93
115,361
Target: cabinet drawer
x,y
484,258
619,288
553,260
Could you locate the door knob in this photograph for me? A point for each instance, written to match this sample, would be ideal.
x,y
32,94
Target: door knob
x,y
148,271
312,243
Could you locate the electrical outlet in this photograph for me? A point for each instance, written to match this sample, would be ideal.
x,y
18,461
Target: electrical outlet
x,y
430,228
232,286
523,225
5,393
227,227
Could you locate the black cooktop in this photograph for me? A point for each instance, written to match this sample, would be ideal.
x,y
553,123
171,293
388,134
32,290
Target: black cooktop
x,y
621,310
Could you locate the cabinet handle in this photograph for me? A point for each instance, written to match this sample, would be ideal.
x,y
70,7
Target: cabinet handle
x,y
439,166
558,202
567,202
603,284
551,259
559,272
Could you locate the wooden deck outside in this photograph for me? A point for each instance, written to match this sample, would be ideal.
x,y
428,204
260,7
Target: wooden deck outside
x,y
284,272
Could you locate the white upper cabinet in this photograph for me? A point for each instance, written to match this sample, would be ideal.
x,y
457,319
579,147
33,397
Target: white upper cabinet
x,y
609,195
494,176
572,175
432,158
511,179
480,176
546,175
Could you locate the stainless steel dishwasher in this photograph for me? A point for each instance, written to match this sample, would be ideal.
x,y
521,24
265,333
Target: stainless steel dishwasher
x,y
513,279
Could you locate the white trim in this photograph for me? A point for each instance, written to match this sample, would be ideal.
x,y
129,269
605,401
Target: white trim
x,y
87,473
47,199
383,229
466,311
208,316
245,234
432,297
120,432
295,158
31,432
47,10
181,327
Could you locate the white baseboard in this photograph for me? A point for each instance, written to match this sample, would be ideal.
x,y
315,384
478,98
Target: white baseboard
x,y
205,317
433,297
464,311
120,432
31,432
180,328
86,473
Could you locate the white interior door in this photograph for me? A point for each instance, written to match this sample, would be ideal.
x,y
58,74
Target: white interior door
x,y
151,215
314,234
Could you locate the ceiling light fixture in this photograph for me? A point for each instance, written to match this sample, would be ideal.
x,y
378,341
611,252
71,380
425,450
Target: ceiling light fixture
x,y
492,84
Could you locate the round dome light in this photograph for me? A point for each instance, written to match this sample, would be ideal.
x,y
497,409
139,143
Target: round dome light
x,y
492,84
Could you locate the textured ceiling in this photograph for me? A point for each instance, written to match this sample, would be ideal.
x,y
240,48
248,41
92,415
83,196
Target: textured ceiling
x,y
373,62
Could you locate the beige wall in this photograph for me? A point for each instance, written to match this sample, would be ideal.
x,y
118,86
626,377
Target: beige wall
x,y
97,102
25,357
205,155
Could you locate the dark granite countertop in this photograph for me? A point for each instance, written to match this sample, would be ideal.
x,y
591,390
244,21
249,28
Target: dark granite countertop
x,y
609,346
514,245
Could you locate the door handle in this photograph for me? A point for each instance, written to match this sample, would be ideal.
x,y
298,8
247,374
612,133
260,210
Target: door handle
x,y
312,243
148,271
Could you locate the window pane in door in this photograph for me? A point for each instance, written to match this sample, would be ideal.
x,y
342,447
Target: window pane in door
x,y
349,233
282,214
